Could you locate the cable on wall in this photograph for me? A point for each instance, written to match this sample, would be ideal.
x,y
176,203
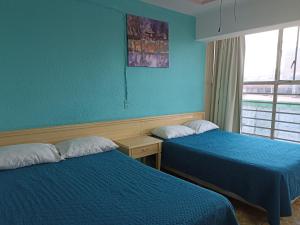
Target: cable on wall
x,y
102,5
220,14
123,14
235,10
220,22
125,63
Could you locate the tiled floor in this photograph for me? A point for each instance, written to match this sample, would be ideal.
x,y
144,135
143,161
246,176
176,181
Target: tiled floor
x,y
250,216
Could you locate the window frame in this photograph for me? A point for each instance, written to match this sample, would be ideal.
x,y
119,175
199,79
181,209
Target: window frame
x,y
276,83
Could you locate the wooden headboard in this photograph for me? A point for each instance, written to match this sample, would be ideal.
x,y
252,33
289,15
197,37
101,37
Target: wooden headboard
x,y
113,129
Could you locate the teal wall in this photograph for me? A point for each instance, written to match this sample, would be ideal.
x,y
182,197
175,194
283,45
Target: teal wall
x,y
62,62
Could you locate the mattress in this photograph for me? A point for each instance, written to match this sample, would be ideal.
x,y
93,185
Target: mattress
x,y
106,189
262,171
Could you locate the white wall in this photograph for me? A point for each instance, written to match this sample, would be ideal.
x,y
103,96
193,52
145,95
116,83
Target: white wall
x,y
252,16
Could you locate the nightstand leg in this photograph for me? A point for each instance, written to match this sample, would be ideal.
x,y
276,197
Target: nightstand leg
x,y
158,160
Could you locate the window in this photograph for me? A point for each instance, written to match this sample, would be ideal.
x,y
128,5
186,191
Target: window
x,y
271,89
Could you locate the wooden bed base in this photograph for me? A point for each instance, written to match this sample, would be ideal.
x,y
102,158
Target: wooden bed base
x,y
209,186
213,187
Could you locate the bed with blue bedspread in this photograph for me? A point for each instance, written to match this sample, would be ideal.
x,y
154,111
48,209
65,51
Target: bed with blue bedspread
x,y
264,172
106,189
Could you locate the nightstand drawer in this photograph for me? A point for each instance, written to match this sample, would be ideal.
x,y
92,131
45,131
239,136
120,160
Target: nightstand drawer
x,y
145,151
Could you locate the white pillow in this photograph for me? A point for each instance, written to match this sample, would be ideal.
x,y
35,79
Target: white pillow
x,y
85,146
168,132
201,126
15,156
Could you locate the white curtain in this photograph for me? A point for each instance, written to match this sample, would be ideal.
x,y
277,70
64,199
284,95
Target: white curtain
x,y
224,80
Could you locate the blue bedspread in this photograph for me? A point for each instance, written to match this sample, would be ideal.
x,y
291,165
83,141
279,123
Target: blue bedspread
x,y
106,189
262,171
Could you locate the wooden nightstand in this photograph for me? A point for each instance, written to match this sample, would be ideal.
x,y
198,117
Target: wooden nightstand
x,y
140,147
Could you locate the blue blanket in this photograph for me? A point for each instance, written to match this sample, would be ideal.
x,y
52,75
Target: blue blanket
x,y
106,189
262,171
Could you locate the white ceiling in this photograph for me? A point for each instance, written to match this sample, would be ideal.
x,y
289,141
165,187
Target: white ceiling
x,y
189,6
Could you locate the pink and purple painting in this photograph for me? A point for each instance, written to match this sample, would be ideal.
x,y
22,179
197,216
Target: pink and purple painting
x,y
148,42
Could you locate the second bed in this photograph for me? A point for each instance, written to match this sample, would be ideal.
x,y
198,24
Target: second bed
x,y
263,172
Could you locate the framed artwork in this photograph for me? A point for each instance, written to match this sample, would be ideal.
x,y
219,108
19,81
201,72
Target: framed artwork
x,y
147,42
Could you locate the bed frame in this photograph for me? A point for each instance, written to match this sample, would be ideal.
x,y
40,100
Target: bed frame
x,y
209,186
114,130
212,187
